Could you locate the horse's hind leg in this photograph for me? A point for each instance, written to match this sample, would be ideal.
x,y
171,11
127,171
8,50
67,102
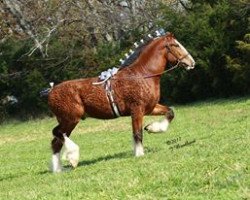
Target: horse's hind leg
x,y
56,145
61,134
160,126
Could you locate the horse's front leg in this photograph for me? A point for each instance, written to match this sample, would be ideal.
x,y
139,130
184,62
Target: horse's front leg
x,y
137,114
160,126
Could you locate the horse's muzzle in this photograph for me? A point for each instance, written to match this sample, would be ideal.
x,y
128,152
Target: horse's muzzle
x,y
188,67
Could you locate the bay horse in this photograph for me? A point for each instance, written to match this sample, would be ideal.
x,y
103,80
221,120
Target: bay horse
x,y
136,90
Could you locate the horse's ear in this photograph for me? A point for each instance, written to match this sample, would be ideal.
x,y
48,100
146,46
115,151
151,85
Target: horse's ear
x,y
172,35
169,36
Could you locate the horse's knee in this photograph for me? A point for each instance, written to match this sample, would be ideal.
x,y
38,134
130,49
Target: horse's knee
x,y
170,114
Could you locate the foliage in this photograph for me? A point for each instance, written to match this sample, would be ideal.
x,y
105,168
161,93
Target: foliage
x,y
215,166
240,65
210,31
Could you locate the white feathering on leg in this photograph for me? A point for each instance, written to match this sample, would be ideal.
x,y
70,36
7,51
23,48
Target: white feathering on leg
x,y
71,151
138,149
158,127
56,164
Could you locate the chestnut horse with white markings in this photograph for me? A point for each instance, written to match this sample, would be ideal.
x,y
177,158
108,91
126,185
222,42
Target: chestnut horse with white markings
x,y
136,92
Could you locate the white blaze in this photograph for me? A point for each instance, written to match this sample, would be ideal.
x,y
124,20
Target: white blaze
x,y
186,53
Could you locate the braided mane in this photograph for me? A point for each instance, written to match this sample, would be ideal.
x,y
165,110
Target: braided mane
x,y
143,43
136,53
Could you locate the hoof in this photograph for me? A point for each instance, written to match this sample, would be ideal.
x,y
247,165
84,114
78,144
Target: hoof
x,y
148,128
73,157
170,115
56,170
139,154
74,163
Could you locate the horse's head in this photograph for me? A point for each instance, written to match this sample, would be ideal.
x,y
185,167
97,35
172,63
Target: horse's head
x,y
176,53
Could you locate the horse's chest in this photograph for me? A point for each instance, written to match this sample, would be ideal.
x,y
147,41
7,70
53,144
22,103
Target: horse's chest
x,y
140,92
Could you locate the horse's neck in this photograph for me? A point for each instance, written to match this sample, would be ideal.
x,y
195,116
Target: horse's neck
x,y
150,64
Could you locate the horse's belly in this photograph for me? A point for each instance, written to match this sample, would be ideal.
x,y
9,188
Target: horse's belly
x,y
100,113
97,105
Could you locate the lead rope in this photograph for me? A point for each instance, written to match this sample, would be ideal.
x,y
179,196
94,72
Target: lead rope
x,y
165,71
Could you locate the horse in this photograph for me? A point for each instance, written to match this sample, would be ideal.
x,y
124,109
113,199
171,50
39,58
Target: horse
x,y
136,93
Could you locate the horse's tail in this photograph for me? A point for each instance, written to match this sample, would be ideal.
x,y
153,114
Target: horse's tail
x,y
45,92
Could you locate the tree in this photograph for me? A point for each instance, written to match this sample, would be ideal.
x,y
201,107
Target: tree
x,y
239,66
43,41
209,30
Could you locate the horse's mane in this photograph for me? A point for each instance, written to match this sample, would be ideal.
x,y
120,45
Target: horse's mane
x,y
143,43
128,61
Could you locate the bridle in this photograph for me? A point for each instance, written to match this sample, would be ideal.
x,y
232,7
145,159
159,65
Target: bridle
x,y
169,51
179,60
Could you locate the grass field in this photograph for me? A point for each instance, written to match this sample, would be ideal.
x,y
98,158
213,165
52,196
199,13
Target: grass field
x,y
204,155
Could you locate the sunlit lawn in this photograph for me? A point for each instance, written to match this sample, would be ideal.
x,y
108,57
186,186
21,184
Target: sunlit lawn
x,y
215,165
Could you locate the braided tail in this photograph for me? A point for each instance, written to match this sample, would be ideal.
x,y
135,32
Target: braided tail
x,y
45,92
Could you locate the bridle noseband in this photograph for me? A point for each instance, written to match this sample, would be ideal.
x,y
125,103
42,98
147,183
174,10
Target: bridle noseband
x,y
168,48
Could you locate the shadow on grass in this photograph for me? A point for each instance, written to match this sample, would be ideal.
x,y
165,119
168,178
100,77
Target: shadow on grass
x,y
93,161
10,176
20,175
121,155
44,172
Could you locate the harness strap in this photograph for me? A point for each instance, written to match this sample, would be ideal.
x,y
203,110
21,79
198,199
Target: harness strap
x,y
113,104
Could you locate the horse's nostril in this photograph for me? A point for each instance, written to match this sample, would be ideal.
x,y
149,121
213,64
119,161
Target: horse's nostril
x,y
192,66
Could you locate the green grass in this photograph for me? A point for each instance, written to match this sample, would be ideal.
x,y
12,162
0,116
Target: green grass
x,y
216,166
